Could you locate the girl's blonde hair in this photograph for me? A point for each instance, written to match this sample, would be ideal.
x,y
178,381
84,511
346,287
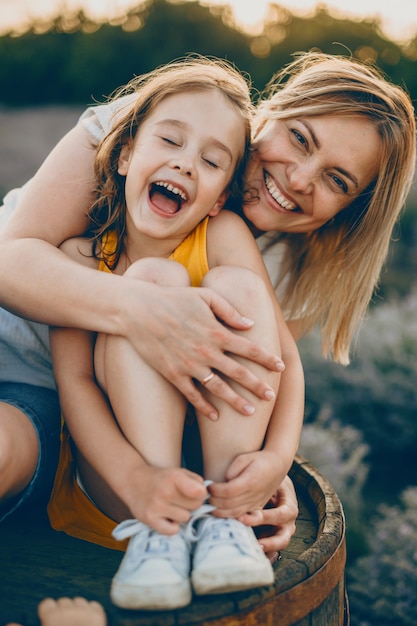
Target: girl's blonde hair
x,y
332,272
191,74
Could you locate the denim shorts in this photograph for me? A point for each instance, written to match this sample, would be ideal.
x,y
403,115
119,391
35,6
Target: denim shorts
x,y
41,407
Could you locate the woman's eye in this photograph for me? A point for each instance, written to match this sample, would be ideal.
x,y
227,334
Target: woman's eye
x,y
299,138
339,182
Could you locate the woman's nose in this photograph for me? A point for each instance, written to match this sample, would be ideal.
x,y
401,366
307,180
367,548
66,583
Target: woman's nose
x,y
301,177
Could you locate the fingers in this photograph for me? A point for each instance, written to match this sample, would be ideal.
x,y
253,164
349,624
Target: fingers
x,y
279,540
172,497
186,341
189,389
221,389
236,344
218,387
275,524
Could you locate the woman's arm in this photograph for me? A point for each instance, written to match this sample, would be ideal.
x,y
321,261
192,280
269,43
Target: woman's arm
x,y
296,328
176,332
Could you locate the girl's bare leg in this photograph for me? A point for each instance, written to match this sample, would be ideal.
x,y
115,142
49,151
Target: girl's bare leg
x,y
150,411
232,434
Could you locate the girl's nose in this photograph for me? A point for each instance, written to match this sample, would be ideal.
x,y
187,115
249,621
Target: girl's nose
x,y
184,163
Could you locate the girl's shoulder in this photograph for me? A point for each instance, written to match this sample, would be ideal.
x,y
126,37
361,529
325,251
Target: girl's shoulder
x,y
227,219
229,240
227,226
79,249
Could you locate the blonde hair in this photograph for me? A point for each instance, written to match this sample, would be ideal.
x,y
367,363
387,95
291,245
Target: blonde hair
x,y
331,273
191,74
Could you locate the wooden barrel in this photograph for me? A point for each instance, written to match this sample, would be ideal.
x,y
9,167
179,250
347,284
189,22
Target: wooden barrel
x,y
309,588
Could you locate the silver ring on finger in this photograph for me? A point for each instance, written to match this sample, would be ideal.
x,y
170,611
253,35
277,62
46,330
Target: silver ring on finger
x,y
208,378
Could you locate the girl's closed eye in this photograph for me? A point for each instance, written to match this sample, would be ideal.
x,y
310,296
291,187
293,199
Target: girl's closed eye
x,y
174,141
217,159
211,162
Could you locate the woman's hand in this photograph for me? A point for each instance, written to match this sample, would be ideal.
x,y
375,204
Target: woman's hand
x,y
276,523
183,333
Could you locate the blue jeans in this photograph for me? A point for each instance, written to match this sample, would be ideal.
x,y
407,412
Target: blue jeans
x,y
41,407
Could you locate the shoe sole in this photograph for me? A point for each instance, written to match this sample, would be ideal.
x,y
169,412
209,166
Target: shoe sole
x,y
222,580
150,598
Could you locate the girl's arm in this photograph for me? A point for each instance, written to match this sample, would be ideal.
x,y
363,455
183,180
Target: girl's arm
x,y
281,442
165,326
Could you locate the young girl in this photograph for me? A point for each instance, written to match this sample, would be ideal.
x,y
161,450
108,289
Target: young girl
x,y
164,174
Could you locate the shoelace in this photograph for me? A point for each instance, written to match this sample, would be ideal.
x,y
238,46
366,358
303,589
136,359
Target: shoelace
x,y
147,544
220,531
156,543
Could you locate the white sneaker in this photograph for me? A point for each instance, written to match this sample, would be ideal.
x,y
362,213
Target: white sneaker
x,y
228,557
154,572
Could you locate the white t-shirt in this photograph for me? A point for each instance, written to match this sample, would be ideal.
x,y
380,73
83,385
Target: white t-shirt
x,y
24,345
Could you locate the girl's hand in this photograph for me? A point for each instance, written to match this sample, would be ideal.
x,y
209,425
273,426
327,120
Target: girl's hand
x,y
274,524
183,334
249,482
164,498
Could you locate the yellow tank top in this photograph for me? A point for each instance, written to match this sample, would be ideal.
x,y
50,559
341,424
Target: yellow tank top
x,y
192,252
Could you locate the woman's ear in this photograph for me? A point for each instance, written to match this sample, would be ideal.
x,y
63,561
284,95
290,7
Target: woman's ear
x,y
124,159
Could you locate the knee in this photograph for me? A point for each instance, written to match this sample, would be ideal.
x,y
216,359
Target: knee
x,y
238,284
5,449
19,450
160,271
7,462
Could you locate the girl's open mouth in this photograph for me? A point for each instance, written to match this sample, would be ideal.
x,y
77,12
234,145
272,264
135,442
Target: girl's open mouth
x,y
166,197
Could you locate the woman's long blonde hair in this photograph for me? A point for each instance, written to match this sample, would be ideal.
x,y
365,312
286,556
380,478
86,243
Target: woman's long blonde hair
x,y
191,74
331,273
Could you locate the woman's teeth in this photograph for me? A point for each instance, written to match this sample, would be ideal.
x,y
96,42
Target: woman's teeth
x,y
277,195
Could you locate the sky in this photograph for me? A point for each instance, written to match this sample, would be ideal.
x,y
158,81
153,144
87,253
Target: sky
x,y
398,17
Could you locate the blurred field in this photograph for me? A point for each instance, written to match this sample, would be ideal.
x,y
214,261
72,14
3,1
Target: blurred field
x,y
26,137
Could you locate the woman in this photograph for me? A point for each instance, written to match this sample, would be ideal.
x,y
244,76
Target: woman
x,y
312,179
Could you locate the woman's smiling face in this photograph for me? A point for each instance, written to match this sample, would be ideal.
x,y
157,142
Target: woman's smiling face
x,y
308,169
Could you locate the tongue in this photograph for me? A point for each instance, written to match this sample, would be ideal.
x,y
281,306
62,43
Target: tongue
x,y
164,203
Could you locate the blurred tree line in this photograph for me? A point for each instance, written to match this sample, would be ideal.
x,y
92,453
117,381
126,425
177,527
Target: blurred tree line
x,y
70,58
